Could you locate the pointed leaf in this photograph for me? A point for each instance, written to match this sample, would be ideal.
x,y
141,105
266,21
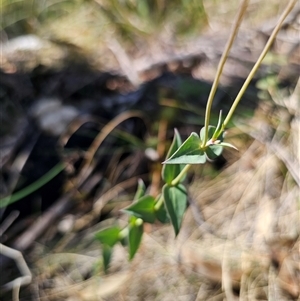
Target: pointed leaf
x,y
221,136
189,152
211,133
135,235
160,210
213,151
219,126
109,236
143,208
171,171
218,133
225,144
175,198
106,255
162,215
140,189
211,130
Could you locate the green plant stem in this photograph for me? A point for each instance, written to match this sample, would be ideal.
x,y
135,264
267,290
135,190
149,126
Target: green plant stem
x,y
222,62
258,62
176,181
53,172
159,203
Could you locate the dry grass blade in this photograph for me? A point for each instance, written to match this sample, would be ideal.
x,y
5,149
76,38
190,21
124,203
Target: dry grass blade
x,y
85,167
124,61
102,201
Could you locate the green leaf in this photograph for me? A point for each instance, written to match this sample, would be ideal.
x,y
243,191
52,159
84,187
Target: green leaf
x,y
171,171
106,254
219,125
225,144
175,198
143,208
162,215
213,148
140,189
160,210
211,130
213,151
109,236
218,129
189,152
135,235
211,133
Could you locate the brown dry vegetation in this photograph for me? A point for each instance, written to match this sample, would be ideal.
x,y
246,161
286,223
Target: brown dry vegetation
x,y
240,235
239,239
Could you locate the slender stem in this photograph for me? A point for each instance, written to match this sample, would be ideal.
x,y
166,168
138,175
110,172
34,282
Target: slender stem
x,y
181,175
214,87
258,62
159,203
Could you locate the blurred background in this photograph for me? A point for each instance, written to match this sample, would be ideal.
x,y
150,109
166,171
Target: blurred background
x,y
90,92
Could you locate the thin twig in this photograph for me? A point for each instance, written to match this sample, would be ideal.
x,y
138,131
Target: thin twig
x,y
26,277
106,130
40,226
199,219
8,221
292,165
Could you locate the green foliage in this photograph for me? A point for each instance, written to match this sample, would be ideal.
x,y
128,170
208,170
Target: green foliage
x,y
171,204
160,211
135,235
176,201
148,16
141,189
194,151
106,254
171,171
213,149
143,208
26,11
109,236
134,18
190,152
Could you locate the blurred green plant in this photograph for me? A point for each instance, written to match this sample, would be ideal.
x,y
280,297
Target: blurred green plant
x,y
147,16
129,18
129,21
25,16
171,203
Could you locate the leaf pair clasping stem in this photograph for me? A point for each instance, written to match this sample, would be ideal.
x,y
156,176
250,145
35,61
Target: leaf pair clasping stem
x,y
221,126
233,34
